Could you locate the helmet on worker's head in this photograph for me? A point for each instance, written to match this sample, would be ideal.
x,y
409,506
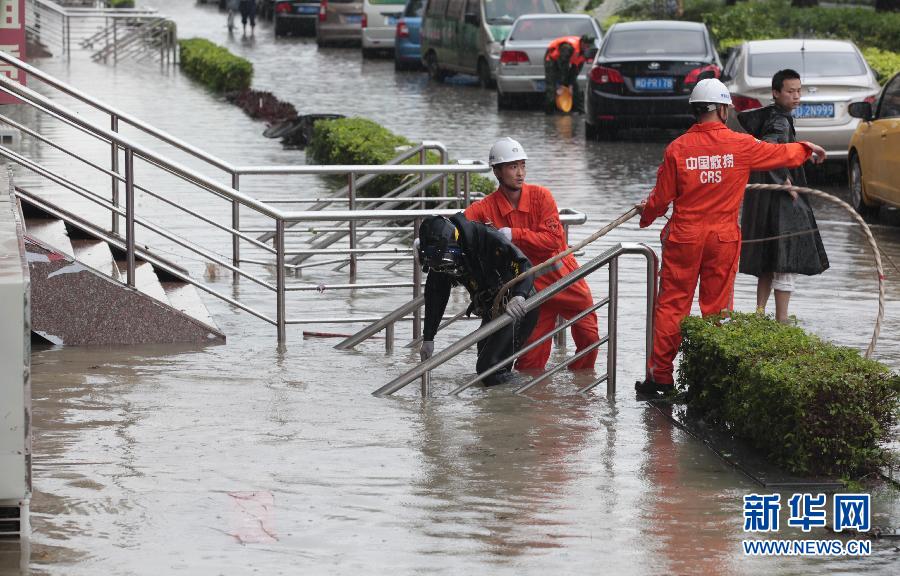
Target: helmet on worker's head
x,y
506,150
709,94
439,248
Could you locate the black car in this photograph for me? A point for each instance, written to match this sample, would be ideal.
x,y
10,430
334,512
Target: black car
x,y
644,73
298,16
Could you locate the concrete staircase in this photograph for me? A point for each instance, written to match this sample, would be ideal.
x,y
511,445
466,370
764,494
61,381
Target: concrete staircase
x,y
79,290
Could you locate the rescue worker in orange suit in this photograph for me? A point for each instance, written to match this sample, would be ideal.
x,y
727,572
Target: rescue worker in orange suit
x,y
527,216
703,175
563,60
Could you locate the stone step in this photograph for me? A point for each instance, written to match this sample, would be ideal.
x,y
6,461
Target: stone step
x,y
184,297
145,279
97,255
51,232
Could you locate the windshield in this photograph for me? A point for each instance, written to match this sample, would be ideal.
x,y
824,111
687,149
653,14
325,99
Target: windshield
x,y
655,43
550,28
414,8
506,11
809,64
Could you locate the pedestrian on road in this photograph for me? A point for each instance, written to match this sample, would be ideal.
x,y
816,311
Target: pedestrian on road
x,y
233,7
563,60
454,251
527,216
703,174
248,12
780,217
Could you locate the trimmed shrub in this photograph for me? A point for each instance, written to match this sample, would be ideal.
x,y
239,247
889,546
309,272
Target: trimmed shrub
x,y
811,406
214,66
362,141
120,3
885,63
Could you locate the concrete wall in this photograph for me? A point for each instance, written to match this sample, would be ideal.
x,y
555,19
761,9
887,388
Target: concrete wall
x,y
15,353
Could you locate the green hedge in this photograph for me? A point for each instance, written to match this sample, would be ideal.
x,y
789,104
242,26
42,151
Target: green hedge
x,y
120,3
362,141
885,63
811,406
214,66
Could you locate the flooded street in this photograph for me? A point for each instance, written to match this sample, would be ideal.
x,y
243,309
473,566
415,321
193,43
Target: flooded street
x,y
246,458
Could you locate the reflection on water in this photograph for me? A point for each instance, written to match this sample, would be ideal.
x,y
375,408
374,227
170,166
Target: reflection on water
x,y
139,451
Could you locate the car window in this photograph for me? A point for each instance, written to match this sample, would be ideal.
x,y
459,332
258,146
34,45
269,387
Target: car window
x,y
437,7
889,107
655,43
731,65
506,11
414,8
548,29
808,64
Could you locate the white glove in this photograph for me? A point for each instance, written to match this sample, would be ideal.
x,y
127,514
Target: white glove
x,y
516,307
506,233
426,350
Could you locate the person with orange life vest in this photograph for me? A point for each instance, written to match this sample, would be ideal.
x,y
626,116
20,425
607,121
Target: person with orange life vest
x,y
563,60
703,175
527,216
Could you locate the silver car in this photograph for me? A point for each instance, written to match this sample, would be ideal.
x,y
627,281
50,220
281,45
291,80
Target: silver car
x,y
833,73
521,71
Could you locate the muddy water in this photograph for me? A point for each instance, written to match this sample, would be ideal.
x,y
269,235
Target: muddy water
x,y
246,457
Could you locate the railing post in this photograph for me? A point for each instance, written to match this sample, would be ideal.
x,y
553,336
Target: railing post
x,y
652,284
560,338
389,338
236,226
115,42
417,286
457,191
426,385
279,279
466,192
423,158
351,191
444,160
129,213
114,166
611,321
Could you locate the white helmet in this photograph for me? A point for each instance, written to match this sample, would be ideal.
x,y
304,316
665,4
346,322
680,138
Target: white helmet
x,y
506,150
710,91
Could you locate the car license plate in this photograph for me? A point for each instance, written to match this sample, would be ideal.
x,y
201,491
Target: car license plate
x,y
390,20
353,18
540,85
815,110
307,9
654,83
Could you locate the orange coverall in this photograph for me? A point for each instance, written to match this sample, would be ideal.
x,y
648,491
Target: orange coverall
x,y
704,173
537,231
577,58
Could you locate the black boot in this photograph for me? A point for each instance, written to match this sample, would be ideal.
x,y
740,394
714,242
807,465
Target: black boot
x,y
650,388
497,379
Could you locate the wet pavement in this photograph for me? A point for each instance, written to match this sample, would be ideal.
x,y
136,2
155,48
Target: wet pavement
x,y
248,458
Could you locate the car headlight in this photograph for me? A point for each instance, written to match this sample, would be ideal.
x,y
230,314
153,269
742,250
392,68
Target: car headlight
x,y
494,49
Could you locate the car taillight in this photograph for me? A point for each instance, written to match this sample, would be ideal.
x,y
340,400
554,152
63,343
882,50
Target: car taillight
x,y
513,57
742,103
365,21
282,7
710,71
323,11
604,75
402,30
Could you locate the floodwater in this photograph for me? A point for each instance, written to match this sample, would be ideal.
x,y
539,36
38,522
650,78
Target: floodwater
x,y
247,457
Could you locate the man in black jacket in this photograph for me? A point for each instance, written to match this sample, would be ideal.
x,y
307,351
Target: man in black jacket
x,y
454,251
779,229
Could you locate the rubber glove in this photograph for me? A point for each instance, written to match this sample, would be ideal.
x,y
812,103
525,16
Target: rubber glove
x,y
516,307
506,233
426,350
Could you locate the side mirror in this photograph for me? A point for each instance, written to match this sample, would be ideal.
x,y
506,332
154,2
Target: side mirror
x,y
861,110
473,19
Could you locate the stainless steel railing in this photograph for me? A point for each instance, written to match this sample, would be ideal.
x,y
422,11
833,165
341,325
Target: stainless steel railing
x,y
609,258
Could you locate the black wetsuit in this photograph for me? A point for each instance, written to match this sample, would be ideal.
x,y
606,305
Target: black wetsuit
x,y
490,262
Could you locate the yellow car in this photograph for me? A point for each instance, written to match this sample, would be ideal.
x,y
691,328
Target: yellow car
x,y
874,155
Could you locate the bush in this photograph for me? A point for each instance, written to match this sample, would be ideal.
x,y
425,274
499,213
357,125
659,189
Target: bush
x,y
811,406
362,141
120,3
885,63
214,66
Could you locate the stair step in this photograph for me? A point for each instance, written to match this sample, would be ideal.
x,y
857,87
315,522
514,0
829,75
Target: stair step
x,y
52,232
185,298
97,255
145,279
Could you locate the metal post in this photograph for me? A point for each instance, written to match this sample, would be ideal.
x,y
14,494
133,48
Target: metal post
x,y
115,42
466,189
236,226
652,285
129,213
560,338
612,312
68,36
351,190
417,286
444,160
426,385
279,279
389,338
422,161
456,191
114,166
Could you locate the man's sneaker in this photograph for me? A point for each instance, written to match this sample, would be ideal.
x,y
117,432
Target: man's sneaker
x,y
651,388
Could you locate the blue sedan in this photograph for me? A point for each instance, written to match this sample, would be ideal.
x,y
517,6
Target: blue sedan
x,y
407,44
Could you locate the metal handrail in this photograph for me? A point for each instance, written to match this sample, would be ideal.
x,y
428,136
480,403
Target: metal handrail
x,y
533,303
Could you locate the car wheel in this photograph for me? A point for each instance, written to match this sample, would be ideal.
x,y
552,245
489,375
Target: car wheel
x,y
484,74
434,70
857,196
